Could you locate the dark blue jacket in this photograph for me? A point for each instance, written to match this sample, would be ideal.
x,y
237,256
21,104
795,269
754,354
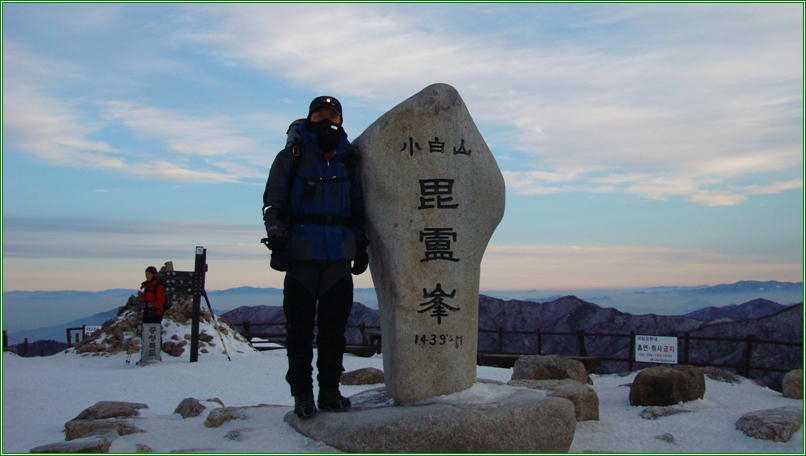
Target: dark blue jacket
x,y
333,189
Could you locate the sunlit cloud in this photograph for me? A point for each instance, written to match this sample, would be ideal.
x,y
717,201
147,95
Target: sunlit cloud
x,y
54,132
705,106
688,116
183,133
569,266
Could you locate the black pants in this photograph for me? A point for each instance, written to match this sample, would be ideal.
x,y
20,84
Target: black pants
x,y
149,317
300,307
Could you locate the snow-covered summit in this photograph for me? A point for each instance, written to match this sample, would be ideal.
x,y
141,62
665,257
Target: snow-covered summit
x,y
123,334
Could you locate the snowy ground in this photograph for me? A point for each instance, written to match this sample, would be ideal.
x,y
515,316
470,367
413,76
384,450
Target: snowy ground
x,y
41,394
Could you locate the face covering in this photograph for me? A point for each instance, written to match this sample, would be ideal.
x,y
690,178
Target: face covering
x,y
327,134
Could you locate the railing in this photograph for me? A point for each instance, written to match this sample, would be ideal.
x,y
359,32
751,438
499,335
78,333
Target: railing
x,y
630,360
368,337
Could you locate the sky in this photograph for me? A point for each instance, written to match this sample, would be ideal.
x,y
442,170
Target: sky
x,y
641,145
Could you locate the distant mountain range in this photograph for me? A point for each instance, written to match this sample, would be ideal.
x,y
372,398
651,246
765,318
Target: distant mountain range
x,y
756,308
59,332
39,315
760,318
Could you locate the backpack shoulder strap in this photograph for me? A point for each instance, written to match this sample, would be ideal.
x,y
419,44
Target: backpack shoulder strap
x,y
352,160
296,151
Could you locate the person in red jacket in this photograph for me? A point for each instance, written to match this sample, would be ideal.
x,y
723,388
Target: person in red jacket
x,y
153,295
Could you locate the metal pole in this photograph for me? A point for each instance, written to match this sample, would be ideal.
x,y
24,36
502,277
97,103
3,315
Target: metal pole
x,y
685,348
581,336
631,355
500,340
747,356
539,341
200,269
5,339
25,348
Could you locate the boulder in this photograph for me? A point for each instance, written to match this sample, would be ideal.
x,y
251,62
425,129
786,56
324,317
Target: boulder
x,y
364,376
189,407
433,195
219,416
721,375
515,420
110,409
551,367
80,428
776,424
667,385
95,442
793,384
654,412
584,398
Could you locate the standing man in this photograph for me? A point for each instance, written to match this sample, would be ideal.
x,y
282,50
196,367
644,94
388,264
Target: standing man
x,y
314,218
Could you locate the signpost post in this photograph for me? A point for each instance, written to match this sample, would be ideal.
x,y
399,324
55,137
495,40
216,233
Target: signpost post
x,y
190,283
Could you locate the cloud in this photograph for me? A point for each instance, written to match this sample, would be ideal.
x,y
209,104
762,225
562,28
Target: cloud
x,y
700,102
81,238
54,131
74,130
568,266
686,97
695,188
182,133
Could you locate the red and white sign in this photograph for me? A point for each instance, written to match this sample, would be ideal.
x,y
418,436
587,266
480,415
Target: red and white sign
x,y
656,349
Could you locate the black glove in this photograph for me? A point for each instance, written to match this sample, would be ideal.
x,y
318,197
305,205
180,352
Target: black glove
x,y
361,260
277,242
280,256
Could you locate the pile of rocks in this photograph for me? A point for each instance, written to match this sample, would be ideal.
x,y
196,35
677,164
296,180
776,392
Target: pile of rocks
x,y
123,333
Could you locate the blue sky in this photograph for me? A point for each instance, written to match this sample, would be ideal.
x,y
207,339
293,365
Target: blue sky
x,y
642,145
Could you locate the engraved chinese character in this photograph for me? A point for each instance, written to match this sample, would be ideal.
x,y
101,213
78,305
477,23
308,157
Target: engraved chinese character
x,y
437,303
411,145
436,188
438,244
436,146
461,150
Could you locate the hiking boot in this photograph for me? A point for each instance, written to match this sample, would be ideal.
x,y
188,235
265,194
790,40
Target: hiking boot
x,y
330,399
304,406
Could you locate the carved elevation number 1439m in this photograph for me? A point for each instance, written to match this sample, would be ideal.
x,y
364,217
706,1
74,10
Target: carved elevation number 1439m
x,y
437,339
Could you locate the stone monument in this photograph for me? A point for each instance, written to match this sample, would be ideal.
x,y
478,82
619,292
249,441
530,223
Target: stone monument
x,y
433,197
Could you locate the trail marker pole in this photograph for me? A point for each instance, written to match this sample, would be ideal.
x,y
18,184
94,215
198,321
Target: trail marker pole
x,y
182,282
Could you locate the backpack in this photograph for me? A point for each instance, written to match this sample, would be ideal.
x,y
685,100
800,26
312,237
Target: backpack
x,y
168,296
293,134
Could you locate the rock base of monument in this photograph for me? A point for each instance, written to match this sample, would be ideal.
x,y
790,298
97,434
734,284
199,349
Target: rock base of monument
x,y
485,418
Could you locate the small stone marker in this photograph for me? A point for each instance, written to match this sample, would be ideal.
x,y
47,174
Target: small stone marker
x,y
433,197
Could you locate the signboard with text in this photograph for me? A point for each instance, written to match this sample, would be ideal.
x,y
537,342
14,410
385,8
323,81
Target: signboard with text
x,y
656,349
